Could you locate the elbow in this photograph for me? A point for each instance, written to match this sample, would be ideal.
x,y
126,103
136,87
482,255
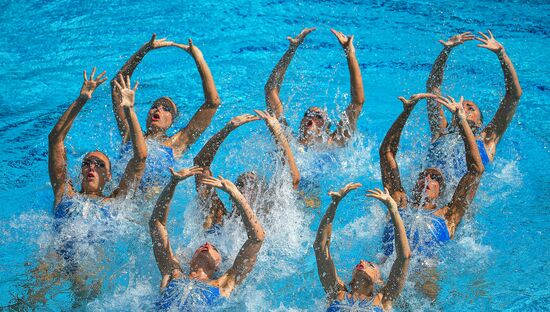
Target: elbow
x,y
407,254
260,236
477,169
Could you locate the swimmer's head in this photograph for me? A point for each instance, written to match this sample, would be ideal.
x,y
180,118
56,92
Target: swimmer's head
x,y
314,125
429,186
161,115
206,258
473,115
366,274
95,171
248,185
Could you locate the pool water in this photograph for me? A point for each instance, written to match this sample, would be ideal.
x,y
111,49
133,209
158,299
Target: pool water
x,y
499,259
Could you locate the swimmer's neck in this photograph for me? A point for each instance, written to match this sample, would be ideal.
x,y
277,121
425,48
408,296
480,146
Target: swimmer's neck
x,y
361,291
156,134
199,274
92,194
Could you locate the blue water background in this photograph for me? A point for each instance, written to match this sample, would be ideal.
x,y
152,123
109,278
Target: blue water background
x,y
500,257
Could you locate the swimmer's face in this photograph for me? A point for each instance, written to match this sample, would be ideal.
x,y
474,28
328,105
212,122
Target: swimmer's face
x,y
428,184
473,114
95,171
206,257
366,272
161,114
314,125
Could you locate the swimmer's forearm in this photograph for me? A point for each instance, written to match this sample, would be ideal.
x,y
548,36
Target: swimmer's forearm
x,y
209,87
473,158
136,135
324,233
273,84
162,207
206,155
356,80
513,87
282,142
64,124
393,137
436,116
254,229
401,242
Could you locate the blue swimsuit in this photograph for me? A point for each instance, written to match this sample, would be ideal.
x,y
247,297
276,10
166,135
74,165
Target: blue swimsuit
x,y
425,232
183,294
159,158
79,223
448,154
348,304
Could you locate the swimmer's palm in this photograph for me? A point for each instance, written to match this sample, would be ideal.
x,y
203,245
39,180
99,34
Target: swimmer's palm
x,y
185,173
383,196
344,191
458,39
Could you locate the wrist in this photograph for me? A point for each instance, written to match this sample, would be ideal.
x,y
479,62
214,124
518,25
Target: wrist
x,y
500,52
84,96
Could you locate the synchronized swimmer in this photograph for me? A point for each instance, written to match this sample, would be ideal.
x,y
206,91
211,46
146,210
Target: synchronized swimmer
x,y
457,157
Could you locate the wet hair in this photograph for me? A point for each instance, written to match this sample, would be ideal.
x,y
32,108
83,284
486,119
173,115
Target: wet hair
x,y
175,112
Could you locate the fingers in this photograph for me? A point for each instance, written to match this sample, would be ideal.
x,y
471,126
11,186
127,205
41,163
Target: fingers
x,y
128,81
402,99
333,194
93,73
153,38
121,83
190,42
442,42
484,35
85,76
117,85
490,34
101,75
171,169
461,100
135,87
386,191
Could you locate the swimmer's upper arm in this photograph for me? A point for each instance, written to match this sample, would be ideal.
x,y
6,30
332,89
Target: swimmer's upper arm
x,y
462,198
242,266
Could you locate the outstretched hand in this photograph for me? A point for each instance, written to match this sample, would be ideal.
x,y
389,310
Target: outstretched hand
x,y
185,173
383,196
408,104
489,43
345,41
238,121
298,40
126,91
189,48
267,117
89,85
457,39
455,107
220,182
155,44
337,196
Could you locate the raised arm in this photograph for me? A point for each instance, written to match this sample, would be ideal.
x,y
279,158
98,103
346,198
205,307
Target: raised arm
x,y
398,274
325,265
348,124
388,151
436,117
498,125
468,184
202,118
166,261
128,70
273,84
246,258
282,141
204,159
57,157
136,166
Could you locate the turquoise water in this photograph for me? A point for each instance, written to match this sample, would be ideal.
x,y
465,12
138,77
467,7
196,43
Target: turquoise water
x,y
500,257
